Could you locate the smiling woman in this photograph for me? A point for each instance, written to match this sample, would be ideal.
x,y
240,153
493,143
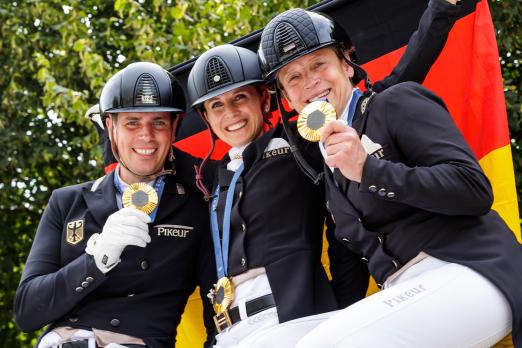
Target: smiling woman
x,y
236,117
319,75
264,244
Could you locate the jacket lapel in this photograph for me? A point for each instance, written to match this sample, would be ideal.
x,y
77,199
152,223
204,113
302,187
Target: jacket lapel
x,y
102,201
255,150
341,181
337,195
173,197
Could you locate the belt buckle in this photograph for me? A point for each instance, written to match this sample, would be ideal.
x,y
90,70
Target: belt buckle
x,y
222,320
222,297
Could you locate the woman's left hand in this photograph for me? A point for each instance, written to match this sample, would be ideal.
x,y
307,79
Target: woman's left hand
x,y
344,149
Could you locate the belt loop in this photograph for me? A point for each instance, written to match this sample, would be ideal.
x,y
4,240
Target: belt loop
x,y
241,305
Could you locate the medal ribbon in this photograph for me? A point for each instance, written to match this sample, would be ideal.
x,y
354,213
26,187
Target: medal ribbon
x,y
353,103
221,248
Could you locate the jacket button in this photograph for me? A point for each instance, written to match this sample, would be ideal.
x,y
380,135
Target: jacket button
x,y
346,240
85,284
372,188
243,227
359,219
73,319
115,322
240,194
380,239
144,265
243,261
89,279
79,289
364,259
382,192
390,194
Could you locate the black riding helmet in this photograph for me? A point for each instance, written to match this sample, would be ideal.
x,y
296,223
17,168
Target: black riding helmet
x,y
297,32
291,35
142,87
220,70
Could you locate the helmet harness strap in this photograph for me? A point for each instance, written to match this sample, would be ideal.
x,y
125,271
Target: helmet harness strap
x,y
200,184
305,167
360,71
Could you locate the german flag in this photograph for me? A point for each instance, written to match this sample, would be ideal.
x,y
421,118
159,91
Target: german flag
x,y
466,75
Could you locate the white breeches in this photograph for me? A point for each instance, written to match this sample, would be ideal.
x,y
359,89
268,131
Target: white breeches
x,y
432,304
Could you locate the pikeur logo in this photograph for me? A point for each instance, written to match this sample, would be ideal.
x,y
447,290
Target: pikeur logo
x,y
172,231
276,152
404,296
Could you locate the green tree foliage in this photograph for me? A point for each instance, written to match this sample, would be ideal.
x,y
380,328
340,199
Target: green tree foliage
x,y
56,55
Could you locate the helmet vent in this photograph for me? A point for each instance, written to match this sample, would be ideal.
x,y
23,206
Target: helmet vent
x,y
217,73
146,91
287,40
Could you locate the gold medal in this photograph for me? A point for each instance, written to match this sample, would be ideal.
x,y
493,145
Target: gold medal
x,y
313,118
140,196
223,295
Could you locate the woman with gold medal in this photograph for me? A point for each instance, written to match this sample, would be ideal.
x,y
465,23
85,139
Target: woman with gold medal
x,y
267,214
410,202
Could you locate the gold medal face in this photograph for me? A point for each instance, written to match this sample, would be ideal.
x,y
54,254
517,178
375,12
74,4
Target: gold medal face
x,y
140,196
223,295
313,118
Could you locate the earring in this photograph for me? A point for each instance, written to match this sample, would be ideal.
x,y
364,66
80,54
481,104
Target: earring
x,y
171,154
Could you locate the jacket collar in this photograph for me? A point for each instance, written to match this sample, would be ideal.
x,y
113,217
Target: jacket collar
x,y
102,201
174,196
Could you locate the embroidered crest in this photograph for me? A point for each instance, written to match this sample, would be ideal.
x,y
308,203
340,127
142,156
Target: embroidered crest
x,y
75,231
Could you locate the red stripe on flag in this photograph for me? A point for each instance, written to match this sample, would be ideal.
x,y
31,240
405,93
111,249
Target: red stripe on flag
x,y
467,76
109,168
198,145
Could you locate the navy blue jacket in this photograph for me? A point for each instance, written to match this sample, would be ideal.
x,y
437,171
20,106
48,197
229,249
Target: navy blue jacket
x,y
143,296
425,191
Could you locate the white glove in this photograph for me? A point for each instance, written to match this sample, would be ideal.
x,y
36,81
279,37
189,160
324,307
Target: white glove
x,y
127,226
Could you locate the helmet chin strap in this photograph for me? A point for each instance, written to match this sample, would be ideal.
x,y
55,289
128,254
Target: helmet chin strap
x,y
305,167
360,71
141,177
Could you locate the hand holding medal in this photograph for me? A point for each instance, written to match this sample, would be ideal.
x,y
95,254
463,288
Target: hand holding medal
x,y
313,118
140,196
